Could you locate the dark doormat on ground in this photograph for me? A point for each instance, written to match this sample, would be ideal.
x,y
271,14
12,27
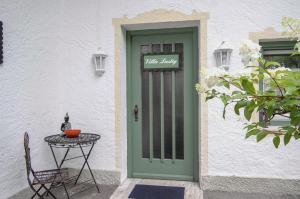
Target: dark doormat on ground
x,y
156,192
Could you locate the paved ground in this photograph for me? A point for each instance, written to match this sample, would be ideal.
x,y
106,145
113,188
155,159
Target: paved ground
x,y
237,195
79,192
106,191
192,191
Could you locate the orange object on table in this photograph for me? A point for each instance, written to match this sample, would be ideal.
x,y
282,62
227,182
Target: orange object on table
x,y
72,133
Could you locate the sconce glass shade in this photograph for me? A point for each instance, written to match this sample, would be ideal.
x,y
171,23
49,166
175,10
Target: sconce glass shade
x,y
99,62
222,56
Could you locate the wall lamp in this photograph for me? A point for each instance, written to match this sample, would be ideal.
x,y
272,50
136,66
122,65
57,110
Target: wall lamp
x,y
223,55
99,61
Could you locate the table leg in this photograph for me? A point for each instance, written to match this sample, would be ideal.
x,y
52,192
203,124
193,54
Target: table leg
x,y
55,159
86,163
63,160
58,166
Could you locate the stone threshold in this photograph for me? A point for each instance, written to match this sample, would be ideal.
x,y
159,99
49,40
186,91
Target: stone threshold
x,y
192,189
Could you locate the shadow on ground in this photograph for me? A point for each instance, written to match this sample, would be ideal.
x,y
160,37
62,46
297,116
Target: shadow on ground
x,y
238,195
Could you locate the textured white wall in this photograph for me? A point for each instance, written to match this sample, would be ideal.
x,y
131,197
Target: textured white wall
x,y
47,71
31,95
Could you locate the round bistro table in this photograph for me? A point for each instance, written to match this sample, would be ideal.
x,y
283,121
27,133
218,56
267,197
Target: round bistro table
x,y
83,140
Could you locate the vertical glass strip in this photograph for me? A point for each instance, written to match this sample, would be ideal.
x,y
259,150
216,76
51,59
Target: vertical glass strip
x,y
145,115
173,112
167,108
156,115
162,112
151,114
168,114
145,108
179,107
156,108
173,116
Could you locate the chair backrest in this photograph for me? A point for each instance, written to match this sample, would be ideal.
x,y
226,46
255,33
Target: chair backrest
x,y
27,154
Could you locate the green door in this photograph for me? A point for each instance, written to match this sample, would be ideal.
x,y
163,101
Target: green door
x,y
162,104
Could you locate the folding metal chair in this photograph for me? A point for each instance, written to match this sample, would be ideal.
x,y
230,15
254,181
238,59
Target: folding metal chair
x,y
39,179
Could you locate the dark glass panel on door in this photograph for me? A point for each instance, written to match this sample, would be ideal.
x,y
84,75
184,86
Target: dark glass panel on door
x,y
167,48
156,109
145,108
179,108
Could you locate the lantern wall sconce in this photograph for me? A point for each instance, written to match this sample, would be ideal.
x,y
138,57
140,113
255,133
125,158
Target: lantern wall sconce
x,y
99,61
223,55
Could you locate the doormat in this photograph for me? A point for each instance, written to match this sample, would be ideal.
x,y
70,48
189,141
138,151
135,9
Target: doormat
x,y
141,191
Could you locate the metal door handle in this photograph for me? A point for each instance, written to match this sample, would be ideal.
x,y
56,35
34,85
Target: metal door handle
x,y
136,112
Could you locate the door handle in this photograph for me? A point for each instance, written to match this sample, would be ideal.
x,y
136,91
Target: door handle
x,y
136,113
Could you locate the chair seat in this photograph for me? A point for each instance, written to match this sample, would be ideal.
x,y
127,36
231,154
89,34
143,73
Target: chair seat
x,y
51,176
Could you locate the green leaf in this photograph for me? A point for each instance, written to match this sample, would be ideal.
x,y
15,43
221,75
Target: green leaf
x,y
224,111
270,93
226,84
261,136
261,61
290,90
260,107
238,105
287,138
209,97
248,86
288,128
291,102
236,92
250,126
249,110
225,99
270,112
272,63
236,84
295,117
252,132
261,76
297,135
276,141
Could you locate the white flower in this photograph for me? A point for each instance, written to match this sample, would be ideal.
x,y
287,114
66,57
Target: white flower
x,y
212,78
245,72
200,88
278,72
211,81
249,52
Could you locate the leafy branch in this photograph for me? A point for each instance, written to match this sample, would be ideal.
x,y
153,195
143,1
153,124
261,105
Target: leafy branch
x,y
280,98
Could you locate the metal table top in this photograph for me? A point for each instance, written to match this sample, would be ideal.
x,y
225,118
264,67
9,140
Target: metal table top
x,y
59,140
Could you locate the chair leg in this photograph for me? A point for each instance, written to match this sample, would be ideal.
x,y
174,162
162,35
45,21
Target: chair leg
x,y
53,196
36,192
66,190
48,192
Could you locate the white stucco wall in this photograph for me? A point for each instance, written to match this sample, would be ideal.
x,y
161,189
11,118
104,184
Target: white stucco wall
x,y
47,71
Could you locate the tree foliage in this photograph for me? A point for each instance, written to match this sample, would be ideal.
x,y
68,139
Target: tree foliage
x,y
280,97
